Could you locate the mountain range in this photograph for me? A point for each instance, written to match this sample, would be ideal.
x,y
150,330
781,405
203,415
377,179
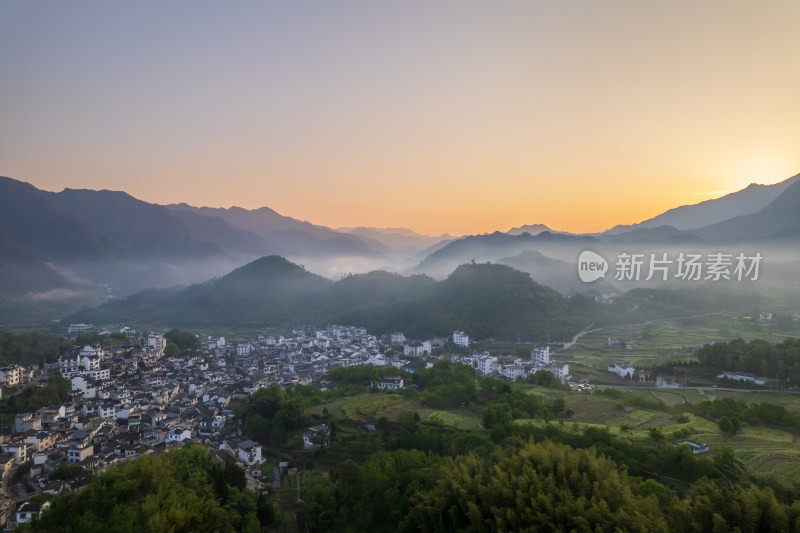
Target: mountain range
x,y
771,224
66,249
271,292
747,201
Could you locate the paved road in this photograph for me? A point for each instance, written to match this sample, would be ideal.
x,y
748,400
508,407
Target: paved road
x,y
586,330
578,335
708,388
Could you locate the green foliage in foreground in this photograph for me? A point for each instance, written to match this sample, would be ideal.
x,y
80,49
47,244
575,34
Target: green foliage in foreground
x,y
32,397
185,341
528,486
446,384
183,490
26,348
271,412
756,357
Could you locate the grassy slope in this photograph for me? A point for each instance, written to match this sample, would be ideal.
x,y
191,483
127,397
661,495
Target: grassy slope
x,y
761,450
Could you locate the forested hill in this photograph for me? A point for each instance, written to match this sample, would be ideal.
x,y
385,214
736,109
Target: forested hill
x,y
529,486
483,299
184,490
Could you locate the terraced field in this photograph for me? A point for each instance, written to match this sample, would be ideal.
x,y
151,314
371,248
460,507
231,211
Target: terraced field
x,y
596,410
667,336
669,398
374,406
761,450
782,466
369,405
694,396
456,418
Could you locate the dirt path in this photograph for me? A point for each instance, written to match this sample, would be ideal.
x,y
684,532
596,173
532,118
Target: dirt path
x,y
586,330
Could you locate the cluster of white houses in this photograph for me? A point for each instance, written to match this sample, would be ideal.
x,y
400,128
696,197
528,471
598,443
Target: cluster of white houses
x,y
125,402
513,368
622,369
132,399
741,376
13,375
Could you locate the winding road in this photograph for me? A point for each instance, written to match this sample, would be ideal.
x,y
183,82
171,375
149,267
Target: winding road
x,y
586,330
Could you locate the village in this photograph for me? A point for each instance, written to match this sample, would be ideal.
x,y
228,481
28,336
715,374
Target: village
x,y
134,399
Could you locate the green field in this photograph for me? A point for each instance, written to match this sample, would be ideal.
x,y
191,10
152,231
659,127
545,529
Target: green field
x,y
673,338
761,450
369,406
373,406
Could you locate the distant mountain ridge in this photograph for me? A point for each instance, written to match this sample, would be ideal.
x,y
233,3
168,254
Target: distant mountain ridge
x,y
78,243
112,237
493,247
533,229
747,201
398,241
289,236
273,292
777,221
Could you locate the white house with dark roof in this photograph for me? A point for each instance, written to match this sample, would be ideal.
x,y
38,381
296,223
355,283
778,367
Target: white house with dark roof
x,y
461,339
486,364
622,369
311,438
27,511
11,375
511,372
540,354
249,452
389,383
179,435
559,369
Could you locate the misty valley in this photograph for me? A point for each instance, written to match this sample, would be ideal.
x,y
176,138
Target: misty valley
x,y
180,368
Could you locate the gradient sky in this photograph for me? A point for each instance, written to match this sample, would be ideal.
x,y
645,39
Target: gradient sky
x,y
443,116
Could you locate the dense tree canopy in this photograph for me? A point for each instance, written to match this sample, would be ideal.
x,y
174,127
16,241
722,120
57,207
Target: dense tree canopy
x,y
534,487
32,397
187,342
270,412
26,348
529,486
446,384
755,357
184,490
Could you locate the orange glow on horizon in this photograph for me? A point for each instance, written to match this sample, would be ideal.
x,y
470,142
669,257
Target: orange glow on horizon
x,y
580,116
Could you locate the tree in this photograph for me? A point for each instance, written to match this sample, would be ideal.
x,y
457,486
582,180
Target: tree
x,y
558,406
171,350
258,427
724,457
564,490
657,436
186,341
183,490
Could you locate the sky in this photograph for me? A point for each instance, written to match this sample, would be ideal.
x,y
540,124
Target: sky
x,y
440,116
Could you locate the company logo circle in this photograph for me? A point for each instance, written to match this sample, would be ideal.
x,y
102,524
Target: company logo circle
x,y
591,266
